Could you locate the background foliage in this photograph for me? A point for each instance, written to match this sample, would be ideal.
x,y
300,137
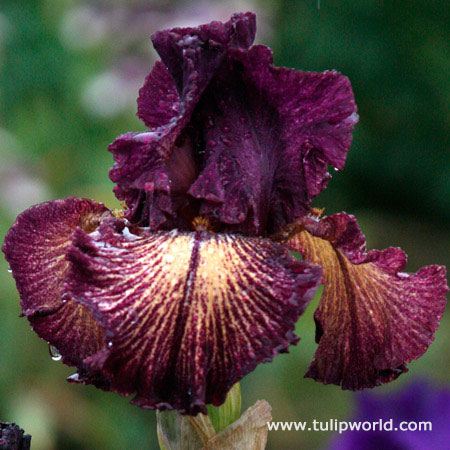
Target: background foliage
x,y
69,76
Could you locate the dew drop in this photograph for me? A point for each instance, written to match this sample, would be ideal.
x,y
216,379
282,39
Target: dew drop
x,y
134,316
10,270
75,378
110,344
54,353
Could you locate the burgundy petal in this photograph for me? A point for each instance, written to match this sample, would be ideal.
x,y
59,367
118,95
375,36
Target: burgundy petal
x,y
187,314
373,318
275,131
194,54
242,151
316,113
191,57
255,141
158,100
35,248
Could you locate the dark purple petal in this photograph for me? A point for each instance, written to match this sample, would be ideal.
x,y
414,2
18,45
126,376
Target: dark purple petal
x,y
255,140
158,100
142,178
242,149
187,315
316,115
275,131
373,318
35,248
194,54
165,104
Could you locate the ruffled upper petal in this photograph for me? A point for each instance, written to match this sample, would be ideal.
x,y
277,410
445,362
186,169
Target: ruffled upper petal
x,y
158,100
35,248
242,150
257,139
273,133
373,318
186,315
191,57
316,115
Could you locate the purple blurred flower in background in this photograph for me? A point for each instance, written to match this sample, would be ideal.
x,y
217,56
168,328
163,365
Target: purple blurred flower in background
x,y
417,402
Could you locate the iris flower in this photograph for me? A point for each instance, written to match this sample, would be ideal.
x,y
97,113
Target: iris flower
x,y
194,284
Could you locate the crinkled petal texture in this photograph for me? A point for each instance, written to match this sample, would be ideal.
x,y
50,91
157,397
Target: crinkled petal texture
x,y
373,318
177,317
186,314
190,58
231,136
35,248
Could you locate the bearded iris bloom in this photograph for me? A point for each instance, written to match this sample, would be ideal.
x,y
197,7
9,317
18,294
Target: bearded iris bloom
x,y
193,285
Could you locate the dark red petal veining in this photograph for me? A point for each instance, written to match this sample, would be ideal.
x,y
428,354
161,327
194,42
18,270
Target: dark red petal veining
x,y
187,315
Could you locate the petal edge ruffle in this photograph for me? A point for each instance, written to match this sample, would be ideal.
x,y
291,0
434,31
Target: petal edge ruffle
x,y
35,247
372,318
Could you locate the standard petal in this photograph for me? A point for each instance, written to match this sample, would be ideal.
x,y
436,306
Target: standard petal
x,y
35,248
273,133
187,315
158,100
373,318
242,151
198,52
316,115
190,59
255,140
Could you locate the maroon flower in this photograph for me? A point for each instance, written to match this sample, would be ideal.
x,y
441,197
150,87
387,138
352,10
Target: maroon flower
x,y
193,286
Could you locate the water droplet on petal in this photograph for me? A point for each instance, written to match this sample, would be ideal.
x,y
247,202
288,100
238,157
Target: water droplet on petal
x,y
9,270
75,378
110,344
54,353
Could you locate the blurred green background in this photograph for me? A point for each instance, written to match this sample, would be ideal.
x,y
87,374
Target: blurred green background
x,y
69,76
